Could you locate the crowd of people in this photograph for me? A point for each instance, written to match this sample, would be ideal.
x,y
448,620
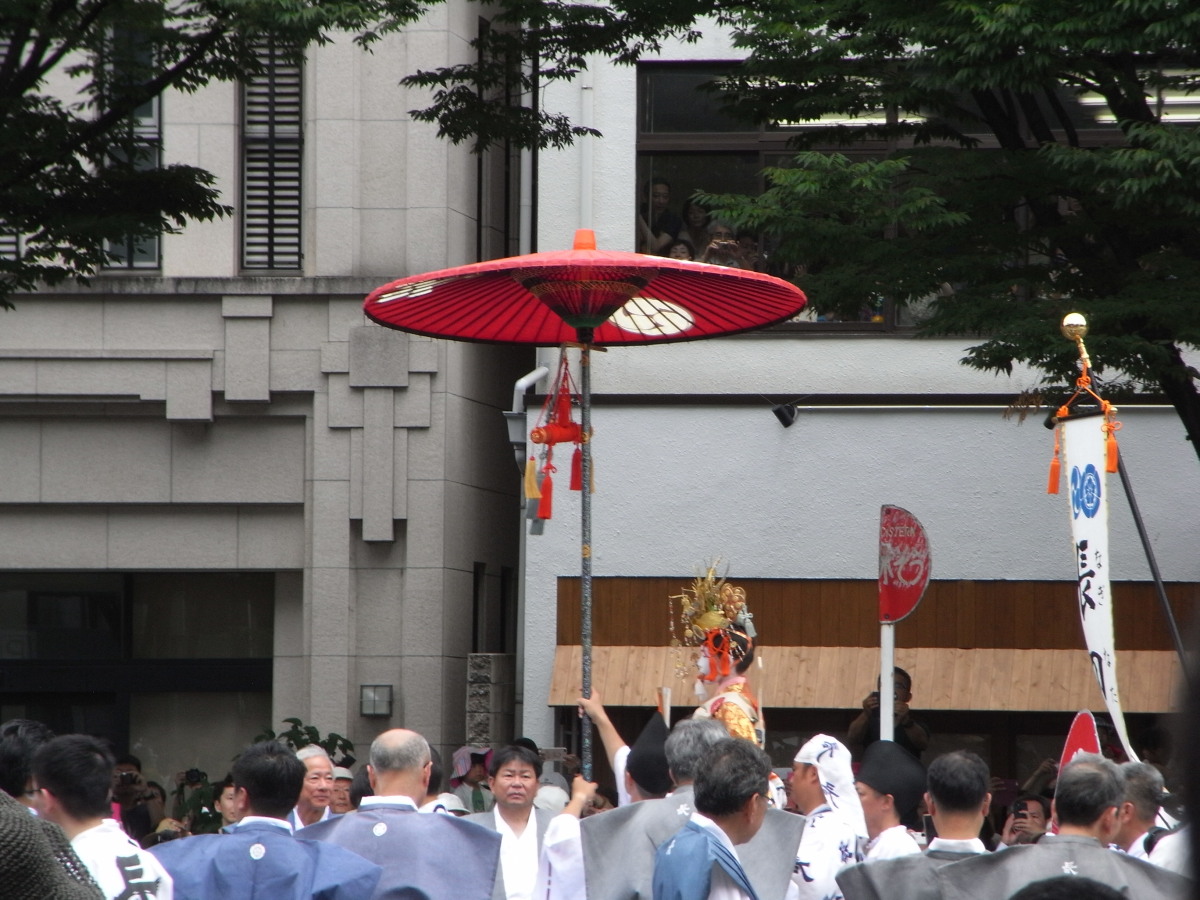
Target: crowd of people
x,y
699,813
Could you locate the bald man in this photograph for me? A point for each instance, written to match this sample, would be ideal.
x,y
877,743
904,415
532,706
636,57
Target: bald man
x,y
444,857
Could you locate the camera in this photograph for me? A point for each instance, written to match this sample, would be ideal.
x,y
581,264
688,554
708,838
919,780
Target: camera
x,y
194,776
127,778
1020,810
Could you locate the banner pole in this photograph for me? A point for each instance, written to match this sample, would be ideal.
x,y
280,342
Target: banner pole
x,y
1153,563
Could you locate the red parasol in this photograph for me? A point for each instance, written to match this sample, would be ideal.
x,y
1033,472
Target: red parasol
x,y
597,297
594,297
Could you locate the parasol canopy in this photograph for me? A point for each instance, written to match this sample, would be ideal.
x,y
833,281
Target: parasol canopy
x,y
601,297
595,297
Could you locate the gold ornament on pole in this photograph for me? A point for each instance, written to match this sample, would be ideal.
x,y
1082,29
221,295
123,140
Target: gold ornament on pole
x,y
1075,328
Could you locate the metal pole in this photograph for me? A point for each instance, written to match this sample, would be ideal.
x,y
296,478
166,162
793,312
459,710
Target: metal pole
x,y
887,695
1154,573
585,380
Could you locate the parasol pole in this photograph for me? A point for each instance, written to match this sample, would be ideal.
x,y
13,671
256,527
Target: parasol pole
x,y
585,386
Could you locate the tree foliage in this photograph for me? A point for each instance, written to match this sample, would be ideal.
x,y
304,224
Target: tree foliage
x,y
976,184
74,170
531,43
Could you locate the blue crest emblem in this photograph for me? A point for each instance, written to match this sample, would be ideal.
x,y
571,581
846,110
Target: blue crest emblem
x,y
1085,491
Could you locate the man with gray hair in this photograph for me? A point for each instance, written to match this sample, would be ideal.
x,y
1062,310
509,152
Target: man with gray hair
x,y
632,834
315,796
1086,806
1143,797
438,857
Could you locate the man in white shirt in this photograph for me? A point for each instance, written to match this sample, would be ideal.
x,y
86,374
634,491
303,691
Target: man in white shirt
x,y
958,800
513,780
822,789
73,774
317,794
1137,813
889,784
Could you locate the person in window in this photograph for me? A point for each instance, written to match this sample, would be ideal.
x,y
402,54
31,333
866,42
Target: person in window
x,y
681,248
695,224
722,248
658,226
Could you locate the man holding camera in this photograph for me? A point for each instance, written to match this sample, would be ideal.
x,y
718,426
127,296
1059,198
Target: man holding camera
x,y
141,808
909,732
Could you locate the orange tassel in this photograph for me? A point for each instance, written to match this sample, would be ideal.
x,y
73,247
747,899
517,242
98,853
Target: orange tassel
x,y
577,469
1112,453
1055,476
545,505
531,486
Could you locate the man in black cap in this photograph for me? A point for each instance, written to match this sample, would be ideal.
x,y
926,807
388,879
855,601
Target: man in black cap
x,y
1087,805
889,784
648,777
958,801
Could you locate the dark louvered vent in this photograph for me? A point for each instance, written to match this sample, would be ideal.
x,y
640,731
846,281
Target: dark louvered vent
x,y
272,148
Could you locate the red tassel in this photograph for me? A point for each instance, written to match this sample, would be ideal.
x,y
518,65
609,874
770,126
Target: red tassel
x,y
1112,454
545,505
562,410
1055,473
577,469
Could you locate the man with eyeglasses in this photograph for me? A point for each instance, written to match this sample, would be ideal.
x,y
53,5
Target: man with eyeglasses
x,y
313,805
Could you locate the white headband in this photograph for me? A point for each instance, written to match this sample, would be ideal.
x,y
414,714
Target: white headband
x,y
832,760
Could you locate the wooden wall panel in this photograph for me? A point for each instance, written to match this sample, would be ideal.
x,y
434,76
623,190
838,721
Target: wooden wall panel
x,y
1037,615
837,677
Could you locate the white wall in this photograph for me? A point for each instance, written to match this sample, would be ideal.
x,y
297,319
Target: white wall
x,y
685,481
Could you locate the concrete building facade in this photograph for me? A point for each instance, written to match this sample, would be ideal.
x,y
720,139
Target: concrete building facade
x,y
228,498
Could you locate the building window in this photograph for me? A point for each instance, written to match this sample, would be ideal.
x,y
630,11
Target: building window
x,y
272,148
130,64
687,143
10,244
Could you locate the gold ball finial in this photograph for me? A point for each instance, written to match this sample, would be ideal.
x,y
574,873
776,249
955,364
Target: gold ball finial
x,y
1074,327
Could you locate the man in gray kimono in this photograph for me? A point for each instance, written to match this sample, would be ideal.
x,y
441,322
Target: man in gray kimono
x,y
958,800
1086,806
619,846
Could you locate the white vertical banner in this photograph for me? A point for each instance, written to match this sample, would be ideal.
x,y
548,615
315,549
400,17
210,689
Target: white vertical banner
x,y
1084,450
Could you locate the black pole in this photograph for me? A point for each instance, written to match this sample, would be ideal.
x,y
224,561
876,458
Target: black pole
x,y
585,378
1154,573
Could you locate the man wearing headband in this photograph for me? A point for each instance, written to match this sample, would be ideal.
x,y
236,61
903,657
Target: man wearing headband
x,y
822,788
958,801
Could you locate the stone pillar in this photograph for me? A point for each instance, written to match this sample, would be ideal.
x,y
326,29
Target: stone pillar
x,y
491,698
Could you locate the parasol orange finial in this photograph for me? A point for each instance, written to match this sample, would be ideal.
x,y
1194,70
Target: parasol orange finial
x,y
585,239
